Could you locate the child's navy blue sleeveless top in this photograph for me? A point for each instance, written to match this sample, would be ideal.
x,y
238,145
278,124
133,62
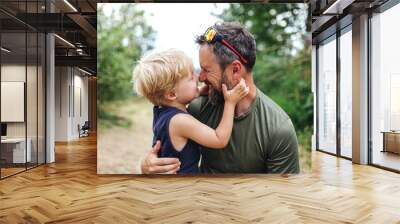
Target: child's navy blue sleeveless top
x,y
189,156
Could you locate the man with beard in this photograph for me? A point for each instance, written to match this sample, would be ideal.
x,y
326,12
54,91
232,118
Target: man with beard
x,y
263,138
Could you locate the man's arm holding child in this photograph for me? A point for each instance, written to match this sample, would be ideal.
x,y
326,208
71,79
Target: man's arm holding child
x,y
151,164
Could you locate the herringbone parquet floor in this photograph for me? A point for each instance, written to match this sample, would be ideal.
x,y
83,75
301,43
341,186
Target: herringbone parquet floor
x,y
70,191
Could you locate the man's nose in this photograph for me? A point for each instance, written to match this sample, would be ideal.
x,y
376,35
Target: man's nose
x,y
202,77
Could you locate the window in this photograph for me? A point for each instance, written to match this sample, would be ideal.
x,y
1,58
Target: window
x,y
23,79
327,96
385,89
346,93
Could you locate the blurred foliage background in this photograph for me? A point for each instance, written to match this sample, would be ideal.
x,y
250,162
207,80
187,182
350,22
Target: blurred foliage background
x,y
282,70
122,38
283,65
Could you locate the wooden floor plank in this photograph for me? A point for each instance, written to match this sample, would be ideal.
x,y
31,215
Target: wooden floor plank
x,y
70,191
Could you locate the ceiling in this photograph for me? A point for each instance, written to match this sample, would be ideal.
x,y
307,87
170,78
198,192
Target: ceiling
x,y
74,22
328,16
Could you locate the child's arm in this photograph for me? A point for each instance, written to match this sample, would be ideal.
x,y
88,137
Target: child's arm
x,y
186,126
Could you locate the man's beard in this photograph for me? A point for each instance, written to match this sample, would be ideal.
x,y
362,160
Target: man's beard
x,y
226,81
217,97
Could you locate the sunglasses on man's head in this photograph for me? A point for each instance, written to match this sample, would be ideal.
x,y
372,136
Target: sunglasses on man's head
x,y
211,36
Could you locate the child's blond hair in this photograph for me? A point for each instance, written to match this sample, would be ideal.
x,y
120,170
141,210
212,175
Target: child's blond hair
x,y
159,72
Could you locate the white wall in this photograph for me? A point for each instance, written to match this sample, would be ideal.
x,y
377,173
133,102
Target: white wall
x,y
71,94
12,73
16,73
33,126
61,103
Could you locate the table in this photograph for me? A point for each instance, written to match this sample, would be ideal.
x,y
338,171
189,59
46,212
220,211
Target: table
x,y
17,150
391,141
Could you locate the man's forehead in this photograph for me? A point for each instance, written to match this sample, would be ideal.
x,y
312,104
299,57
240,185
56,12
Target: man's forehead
x,y
206,49
206,58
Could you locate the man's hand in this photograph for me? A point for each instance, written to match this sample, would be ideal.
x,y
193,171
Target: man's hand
x,y
151,164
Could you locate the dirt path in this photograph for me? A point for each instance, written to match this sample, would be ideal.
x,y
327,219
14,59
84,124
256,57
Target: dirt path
x,y
120,149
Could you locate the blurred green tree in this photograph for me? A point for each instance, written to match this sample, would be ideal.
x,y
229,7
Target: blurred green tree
x,y
283,66
123,37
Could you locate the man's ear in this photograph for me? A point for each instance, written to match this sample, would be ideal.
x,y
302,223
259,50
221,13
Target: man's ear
x,y
170,95
236,70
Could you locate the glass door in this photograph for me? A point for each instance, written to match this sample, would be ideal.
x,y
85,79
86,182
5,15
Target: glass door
x,y
327,96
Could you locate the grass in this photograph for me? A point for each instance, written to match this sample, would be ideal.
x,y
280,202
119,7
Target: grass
x,y
118,113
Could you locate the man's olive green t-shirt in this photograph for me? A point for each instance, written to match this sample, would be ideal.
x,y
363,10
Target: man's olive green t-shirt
x,y
263,140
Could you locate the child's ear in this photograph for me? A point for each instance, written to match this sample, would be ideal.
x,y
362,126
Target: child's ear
x,y
170,95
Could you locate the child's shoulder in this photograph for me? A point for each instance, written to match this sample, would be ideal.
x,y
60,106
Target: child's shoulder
x,y
182,117
167,111
182,121
171,113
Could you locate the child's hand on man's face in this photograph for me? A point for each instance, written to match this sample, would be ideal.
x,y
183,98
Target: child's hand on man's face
x,y
237,93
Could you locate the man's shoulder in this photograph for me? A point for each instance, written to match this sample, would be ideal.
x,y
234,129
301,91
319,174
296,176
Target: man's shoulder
x,y
278,123
271,108
282,134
